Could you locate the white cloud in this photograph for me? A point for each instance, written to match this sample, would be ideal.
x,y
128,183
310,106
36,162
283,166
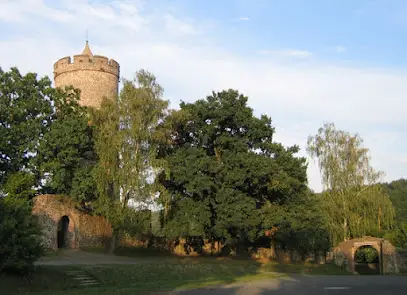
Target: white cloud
x,y
244,18
298,93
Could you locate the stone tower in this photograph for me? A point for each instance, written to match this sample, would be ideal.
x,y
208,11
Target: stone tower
x,y
96,76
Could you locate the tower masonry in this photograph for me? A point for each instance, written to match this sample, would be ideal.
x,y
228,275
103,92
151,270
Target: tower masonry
x,y
96,76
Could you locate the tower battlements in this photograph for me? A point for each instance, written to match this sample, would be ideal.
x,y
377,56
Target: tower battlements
x,y
83,62
95,75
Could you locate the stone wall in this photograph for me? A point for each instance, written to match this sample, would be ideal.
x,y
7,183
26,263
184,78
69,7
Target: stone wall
x,y
83,231
402,260
344,253
95,75
94,84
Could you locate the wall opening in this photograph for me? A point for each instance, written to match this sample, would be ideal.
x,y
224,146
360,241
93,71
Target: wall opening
x,y
367,260
63,239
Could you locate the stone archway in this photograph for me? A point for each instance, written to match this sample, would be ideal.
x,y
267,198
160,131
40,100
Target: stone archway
x,y
367,260
344,254
65,233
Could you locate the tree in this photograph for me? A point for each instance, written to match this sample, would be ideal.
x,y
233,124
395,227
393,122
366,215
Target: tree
x,y
66,155
25,114
355,202
397,191
126,141
298,225
20,236
224,166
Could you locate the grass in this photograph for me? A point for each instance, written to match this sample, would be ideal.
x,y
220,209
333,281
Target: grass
x,y
139,252
154,276
155,272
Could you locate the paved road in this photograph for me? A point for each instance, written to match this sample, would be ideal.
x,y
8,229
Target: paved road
x,y
307,285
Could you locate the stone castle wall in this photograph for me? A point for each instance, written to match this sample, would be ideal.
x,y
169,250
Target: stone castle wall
x,y
96,77
83,231
344,253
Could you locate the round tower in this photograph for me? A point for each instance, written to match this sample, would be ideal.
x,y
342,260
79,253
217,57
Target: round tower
x,y
96,76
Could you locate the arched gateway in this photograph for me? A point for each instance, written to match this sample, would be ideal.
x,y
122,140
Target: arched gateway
x,y
344,254
64,226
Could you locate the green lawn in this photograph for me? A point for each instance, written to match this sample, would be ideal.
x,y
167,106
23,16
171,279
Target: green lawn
x,y
153,276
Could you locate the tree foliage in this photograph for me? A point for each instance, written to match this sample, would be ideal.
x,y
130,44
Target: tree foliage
x,y
298,225
20,236
353,199
45,136
126,140
224,166
66,156
25,114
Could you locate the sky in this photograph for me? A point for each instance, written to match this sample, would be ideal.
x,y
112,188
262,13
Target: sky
x,y
301,62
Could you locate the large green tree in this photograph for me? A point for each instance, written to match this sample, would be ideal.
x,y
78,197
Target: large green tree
x,y
25,114
224,166
397,191
353,199
20,236
66,156
45,136
126,141
297,225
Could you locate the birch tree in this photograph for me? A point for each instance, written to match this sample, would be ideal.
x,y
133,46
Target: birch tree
x,y
352,196
127,134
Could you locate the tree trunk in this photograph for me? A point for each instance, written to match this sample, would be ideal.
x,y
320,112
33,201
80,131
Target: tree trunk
x,y
273,248
113,241
345,227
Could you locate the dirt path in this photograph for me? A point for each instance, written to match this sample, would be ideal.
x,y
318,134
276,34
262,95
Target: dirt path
x,y
72,257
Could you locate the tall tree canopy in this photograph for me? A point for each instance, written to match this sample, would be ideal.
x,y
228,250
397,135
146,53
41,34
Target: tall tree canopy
x,y
25,114
224,166
45,136
355,203
126,141
66,155
397,191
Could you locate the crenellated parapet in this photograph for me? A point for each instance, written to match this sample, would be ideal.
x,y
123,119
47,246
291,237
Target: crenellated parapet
x,y
96,76
83,62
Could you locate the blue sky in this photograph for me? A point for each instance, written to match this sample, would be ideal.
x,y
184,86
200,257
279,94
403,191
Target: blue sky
x,y
300,62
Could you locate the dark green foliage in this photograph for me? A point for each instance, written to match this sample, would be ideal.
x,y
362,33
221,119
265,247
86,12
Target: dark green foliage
x,y
398,235
397,191
20,185
25,114
66,154
20,240
298,225
366,254
224,166
44,134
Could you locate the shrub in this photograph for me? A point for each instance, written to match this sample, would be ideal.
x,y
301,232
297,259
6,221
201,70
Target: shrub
x,y
20,236
398,235
366,255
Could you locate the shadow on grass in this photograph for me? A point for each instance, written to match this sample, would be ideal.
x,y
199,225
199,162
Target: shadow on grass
x,y
139,252
153,275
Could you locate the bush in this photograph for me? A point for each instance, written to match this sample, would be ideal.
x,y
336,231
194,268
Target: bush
x,y
20,236
398,235
366,255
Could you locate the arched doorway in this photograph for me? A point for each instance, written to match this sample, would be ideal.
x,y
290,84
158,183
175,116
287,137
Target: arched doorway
x,y
63,233
367,260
